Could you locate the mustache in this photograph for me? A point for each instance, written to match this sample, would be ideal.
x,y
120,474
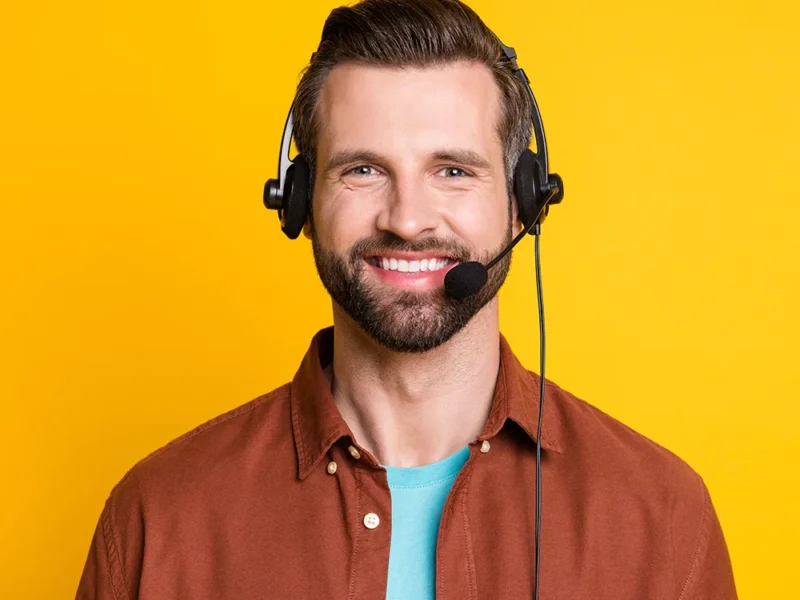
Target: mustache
x,y
388,241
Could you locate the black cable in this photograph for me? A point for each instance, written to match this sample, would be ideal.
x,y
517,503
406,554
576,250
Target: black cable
x,y
536,232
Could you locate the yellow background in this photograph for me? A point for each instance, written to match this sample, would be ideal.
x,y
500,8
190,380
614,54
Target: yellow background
x,y
145,289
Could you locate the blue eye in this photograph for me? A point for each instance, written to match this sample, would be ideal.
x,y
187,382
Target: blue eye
x,y
455,172
360,170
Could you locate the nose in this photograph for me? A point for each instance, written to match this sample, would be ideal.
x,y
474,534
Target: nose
x,y
410,210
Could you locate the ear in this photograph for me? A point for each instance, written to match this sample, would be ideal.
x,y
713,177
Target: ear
x,y
307,228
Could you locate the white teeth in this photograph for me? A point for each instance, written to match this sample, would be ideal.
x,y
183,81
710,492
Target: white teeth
x,y
409,266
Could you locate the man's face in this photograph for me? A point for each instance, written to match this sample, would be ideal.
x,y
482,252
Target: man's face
x,y
409,182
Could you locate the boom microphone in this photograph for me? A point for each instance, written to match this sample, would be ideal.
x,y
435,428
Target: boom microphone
x,y
468,278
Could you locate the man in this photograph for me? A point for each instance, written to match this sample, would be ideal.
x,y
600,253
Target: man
x,y
400,461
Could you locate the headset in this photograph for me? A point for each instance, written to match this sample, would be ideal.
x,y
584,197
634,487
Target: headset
x,y
535,189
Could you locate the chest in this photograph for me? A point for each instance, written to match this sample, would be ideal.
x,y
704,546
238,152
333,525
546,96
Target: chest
x,y
330,536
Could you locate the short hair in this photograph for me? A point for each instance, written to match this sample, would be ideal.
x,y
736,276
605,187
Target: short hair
x,y
412,33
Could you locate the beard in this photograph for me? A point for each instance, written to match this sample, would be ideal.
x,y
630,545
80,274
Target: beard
x,y
405,320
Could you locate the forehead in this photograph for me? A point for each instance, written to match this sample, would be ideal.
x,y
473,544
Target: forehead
x,y
403,109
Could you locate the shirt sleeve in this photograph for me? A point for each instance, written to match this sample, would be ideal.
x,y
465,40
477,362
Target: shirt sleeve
x,y
103,574
710,575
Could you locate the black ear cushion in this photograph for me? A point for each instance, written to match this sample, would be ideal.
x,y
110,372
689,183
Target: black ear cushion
x,y
295,203
526,187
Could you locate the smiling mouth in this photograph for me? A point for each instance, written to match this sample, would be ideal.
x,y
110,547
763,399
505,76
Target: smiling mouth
x,y
409,266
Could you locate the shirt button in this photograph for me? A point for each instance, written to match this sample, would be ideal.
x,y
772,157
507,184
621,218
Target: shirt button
x,y
354,452
331,468
371,520
485,446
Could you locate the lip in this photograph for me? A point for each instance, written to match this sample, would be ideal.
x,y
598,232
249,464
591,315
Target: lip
x,y
409,256
419,281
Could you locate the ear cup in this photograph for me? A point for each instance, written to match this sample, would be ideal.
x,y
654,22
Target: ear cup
x,y
527,187
295,200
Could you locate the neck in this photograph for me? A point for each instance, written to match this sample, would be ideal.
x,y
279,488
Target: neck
x,y
414,409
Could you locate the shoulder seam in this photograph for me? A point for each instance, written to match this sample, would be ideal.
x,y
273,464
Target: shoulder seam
x,y
115,570
699,546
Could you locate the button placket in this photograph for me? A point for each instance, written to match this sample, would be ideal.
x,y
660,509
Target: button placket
x,y
372,534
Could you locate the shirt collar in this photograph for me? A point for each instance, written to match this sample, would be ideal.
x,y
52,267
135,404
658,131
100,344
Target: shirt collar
x,y
317,423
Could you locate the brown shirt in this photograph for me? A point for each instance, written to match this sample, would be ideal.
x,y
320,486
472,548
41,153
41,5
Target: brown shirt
x,y
245,507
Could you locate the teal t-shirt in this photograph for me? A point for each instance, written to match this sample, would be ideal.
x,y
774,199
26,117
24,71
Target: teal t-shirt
x,y
418,497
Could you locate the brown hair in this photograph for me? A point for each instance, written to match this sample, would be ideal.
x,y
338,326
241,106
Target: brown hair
x,y
416,33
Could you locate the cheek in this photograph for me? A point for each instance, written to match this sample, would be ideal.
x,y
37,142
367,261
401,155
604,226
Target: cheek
x,y
482,220
340,222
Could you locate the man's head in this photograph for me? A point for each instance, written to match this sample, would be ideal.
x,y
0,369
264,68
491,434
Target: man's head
x,y
411,120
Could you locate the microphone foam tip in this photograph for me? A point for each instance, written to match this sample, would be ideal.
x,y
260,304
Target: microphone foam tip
x,y
465,279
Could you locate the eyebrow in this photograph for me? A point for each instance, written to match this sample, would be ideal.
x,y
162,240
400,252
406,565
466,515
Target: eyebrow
x,y
346,157
464,157
461,156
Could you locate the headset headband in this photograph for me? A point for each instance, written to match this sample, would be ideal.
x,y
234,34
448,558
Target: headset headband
x,y
273,195
536,117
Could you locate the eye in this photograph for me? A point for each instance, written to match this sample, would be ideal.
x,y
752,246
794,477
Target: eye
x,y
361,170
455,172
